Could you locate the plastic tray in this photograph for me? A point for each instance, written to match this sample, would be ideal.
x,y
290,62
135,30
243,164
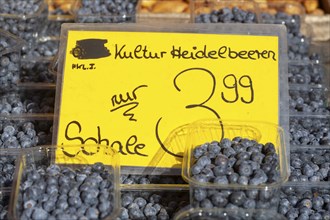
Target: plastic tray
x,y
8,158
83,15
167,202
213,11
41,157
309,130
27,102
25,132
36,71
306,165
52,29
283,12
10,56
227,214
45,50
300,196
309,101
311,75
35,74
26,26
4,204
206,131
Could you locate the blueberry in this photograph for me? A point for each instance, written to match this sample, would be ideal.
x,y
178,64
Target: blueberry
x,y
219,200
318,203
315,216
200,194
39,213
258,178
219,171
233,178
221,160
245,169
206,203
243,180
92,213
149,210
237,198
249,204
203,161
135,213
221,180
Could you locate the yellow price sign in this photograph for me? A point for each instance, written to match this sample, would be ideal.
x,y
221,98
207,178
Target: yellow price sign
x,y
129,90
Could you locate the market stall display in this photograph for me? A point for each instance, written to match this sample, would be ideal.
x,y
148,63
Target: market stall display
x,y
234,172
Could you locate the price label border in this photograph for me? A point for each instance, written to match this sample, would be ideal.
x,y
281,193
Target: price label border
x,y
236,29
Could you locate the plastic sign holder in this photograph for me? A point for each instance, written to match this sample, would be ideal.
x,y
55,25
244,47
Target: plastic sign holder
x,y
127,86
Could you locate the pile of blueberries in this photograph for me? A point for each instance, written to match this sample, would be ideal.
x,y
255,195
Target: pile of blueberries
x,y
230,214
151,179
52,29
7,170
9,63
305,203
310,165
106,11
306,74
36,72
161,205
298,43
23,18
292,22
4,205
227,15
239,161
309,100
309,131
24,134
45,49
29,101
55,192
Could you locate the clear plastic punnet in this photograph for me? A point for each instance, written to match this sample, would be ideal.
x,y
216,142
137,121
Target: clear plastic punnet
x,y
310,165
161,203
52,30
22,131
27,102
309,101
309,200
308,75
45,50
292,14
4,203
90,11
47,177
217,167
309,130
227,214
25,21
35,74
227,11
10,56
8,160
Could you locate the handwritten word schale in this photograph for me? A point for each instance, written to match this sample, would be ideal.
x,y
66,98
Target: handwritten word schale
x,y
130,147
